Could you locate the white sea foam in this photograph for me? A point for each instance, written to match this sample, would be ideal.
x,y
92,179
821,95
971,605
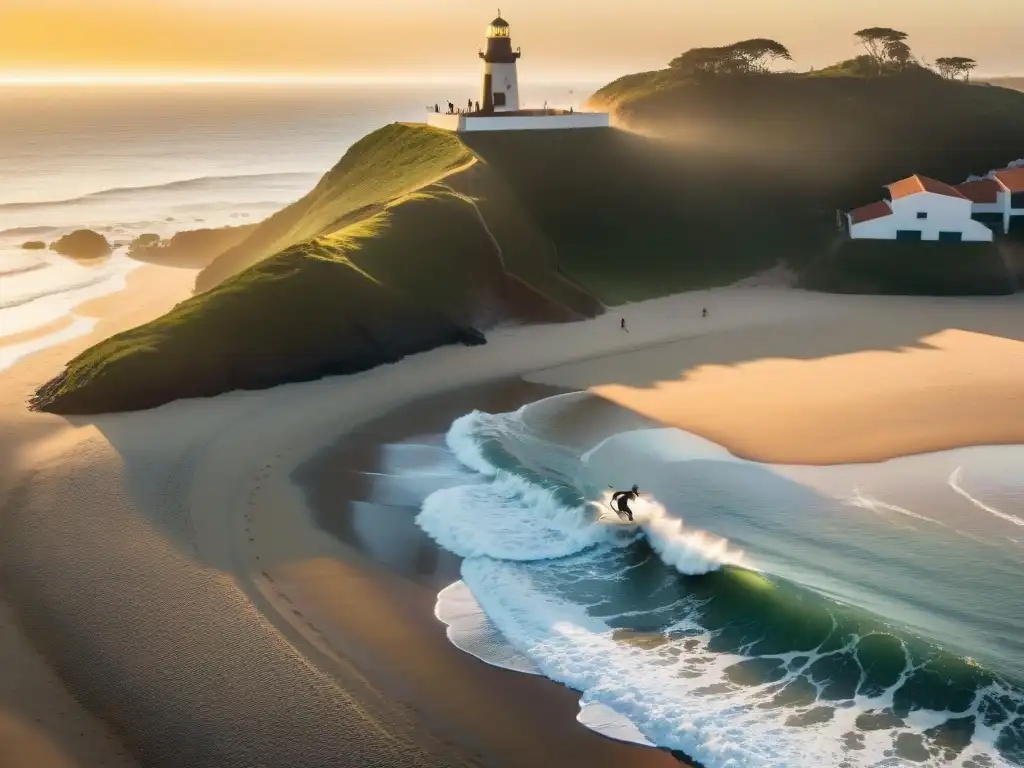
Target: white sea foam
x,y
470,630
12,353
510,519
678,694
864,501
954,483
689,550
463,442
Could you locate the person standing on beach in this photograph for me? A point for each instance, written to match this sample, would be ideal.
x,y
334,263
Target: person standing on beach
x,y
622,325
704,313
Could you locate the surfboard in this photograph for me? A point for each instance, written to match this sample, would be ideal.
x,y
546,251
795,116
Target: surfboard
x,y
610,517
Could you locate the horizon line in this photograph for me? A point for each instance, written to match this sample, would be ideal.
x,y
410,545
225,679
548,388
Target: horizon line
x,y
16,78
270,78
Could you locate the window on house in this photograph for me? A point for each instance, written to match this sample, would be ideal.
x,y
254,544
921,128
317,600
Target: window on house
x,y
922,214
908,234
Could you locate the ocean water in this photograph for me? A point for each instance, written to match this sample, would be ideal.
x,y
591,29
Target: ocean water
x,y
125,160
756,615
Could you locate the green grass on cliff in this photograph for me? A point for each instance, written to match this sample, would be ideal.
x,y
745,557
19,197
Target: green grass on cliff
x,y
375,171
330,305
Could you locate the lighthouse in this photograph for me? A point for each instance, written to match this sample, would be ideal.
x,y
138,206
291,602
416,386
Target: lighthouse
x,y
500,109
501,80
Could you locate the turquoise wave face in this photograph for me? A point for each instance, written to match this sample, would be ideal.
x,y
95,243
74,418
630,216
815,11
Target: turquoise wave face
x,y
856,630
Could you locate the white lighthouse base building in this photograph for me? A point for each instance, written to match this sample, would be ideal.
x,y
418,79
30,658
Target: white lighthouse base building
x,y
522,120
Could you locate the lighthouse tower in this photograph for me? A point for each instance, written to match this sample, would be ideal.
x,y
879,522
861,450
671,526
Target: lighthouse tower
x,y
501,81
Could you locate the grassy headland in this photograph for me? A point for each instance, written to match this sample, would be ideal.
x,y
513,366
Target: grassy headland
x,y
376,170
831,136
420,237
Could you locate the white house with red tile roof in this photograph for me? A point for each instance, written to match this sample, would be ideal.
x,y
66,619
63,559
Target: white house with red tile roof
x,y
918,208
985,195
1011,181
999,195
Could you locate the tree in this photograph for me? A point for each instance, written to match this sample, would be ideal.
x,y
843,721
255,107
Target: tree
x,y
898,53
952,67
758,54
755,55
701,60
878,41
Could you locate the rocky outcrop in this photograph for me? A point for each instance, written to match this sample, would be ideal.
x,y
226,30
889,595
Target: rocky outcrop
x,y
34,245
82,244
190,248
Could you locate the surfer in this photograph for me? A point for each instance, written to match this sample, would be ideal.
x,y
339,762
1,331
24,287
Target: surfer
x,y
621,499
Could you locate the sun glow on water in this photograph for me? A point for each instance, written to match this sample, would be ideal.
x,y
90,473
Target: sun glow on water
x,y
185,78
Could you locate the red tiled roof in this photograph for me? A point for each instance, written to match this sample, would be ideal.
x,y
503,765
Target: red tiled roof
x,y
869,212
980,191
1011,178
916,183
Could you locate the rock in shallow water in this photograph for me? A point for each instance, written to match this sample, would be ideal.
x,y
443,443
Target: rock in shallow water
x,y
82,244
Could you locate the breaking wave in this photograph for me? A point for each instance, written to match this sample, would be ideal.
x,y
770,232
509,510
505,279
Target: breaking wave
x,y
205,184
675,636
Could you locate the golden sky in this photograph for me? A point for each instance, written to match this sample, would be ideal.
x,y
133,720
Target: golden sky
x,y
561,39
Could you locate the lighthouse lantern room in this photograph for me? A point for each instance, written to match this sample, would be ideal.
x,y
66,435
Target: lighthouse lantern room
x,y
501,80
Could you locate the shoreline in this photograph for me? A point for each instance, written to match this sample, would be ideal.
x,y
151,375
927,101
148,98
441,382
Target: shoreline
x,y
184,523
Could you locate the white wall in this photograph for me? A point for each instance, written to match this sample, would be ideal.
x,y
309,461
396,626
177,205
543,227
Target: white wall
x,y
444,121
537,122
944,214
996,207
504,79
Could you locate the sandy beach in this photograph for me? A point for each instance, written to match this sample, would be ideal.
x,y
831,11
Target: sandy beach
x,y
166,568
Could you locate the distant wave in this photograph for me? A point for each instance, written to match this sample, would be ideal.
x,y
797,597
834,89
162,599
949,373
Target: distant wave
x,y
58,289
200,183
954,483
871,503
19,231
22,270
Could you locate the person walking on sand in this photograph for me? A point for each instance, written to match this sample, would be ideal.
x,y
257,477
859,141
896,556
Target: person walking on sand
x,y
622,325
704,313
